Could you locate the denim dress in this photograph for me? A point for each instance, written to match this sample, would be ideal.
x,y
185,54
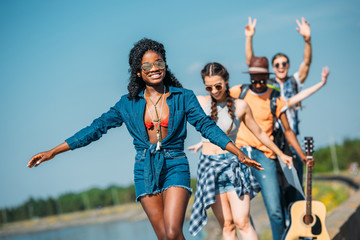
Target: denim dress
x,y
155,171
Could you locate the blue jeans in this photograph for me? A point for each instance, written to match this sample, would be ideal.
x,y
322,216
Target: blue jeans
x,y
270,189
289,193
299,165
223,184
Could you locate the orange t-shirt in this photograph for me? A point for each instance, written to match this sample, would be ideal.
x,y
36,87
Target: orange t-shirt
x,y
260,107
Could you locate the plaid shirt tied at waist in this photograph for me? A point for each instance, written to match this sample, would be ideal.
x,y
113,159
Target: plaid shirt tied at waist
x,y
209,168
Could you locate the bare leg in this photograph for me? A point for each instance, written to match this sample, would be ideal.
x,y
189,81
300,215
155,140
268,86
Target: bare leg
x,y
154,208
175,202
222,211
240,209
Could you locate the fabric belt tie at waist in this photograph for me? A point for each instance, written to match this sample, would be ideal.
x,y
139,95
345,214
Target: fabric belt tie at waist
x,y
154,161
236,168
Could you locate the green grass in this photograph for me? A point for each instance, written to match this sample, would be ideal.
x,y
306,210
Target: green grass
x,y
332,194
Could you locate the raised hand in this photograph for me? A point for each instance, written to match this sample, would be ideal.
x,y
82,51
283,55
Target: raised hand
x,y
304,28
250,28
40,158
324,75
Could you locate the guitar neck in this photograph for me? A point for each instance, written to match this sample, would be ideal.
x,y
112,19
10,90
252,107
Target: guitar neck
x,y
308,189
309,150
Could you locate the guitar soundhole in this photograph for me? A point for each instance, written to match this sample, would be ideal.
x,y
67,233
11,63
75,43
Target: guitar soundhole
x,y
308,219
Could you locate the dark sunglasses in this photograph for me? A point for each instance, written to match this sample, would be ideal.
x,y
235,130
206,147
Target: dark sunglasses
x,y
159,64
277,65
217,87
262,81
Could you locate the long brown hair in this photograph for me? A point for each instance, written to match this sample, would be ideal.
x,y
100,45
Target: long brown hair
x,y
216,69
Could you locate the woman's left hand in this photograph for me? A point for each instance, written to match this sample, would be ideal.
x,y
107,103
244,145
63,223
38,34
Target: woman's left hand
x,y
249,162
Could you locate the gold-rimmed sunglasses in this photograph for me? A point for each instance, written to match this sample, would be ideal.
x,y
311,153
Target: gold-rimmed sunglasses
x,y
159,64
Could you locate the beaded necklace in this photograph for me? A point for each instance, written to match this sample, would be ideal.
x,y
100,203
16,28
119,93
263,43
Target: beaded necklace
x,y
156,123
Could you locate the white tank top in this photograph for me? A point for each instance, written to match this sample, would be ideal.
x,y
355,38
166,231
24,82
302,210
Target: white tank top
x,y
224,120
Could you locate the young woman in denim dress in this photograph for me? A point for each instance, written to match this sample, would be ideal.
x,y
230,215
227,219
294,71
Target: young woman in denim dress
x,y
155,112
225,184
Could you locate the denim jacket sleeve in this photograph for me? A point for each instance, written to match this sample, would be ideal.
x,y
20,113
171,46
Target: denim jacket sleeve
x,y
98,127
203,123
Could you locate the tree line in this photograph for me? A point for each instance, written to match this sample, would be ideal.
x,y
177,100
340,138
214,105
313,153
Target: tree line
x,y
326,159
94,198
69,202
337,157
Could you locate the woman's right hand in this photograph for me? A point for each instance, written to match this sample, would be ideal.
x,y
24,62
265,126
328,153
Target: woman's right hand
x,y
39,158
46,156
195,148
324,75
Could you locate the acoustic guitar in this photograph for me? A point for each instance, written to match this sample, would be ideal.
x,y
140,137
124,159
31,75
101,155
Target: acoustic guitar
x,y
307,217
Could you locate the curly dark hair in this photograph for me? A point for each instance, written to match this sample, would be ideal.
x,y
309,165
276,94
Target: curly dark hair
x,y
136,84
216,69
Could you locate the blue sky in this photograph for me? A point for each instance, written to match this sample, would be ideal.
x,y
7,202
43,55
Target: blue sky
x,y
63,63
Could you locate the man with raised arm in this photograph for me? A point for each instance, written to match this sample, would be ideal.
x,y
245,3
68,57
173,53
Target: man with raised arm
x,y
288,85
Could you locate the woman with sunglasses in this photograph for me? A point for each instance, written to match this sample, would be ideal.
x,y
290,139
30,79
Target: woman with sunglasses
x,y
155,111
225,184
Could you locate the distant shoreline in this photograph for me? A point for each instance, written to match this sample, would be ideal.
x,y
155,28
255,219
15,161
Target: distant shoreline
x,y
129,211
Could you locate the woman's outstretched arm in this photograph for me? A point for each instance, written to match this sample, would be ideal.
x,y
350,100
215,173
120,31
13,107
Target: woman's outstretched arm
x,y
85,136
291,102
39,158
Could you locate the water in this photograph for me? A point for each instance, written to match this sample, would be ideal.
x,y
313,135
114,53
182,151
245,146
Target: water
x,y
140,229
